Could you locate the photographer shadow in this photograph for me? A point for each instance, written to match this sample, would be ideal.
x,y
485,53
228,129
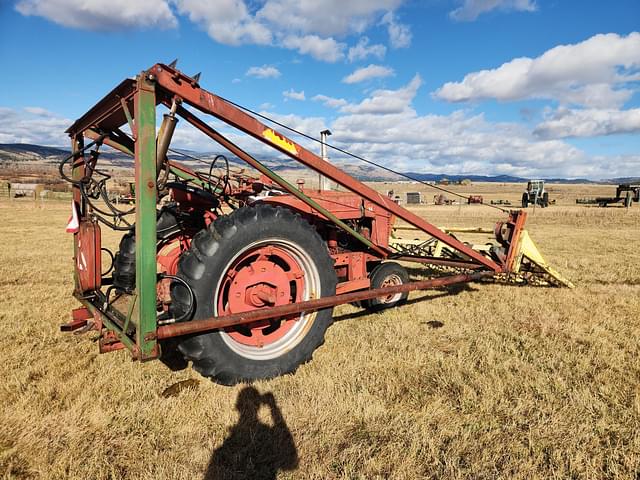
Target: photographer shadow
x,y
252,448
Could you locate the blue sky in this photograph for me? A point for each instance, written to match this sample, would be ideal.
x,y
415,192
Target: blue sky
x,y
523,87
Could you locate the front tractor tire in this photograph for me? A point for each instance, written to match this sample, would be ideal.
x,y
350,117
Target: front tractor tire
x,y
256,257
387,274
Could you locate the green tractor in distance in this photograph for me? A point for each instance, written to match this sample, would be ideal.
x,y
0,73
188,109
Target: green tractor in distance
x,y
535,194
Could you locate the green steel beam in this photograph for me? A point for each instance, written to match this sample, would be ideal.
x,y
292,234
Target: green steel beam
x,y
127,114
92,134
144,313
108,323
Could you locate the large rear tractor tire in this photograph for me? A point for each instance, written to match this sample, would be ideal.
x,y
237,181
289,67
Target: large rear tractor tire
x,y
387,274
256,257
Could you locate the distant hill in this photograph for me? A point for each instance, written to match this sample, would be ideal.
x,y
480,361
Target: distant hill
x,y
18,152
435,177
620,180
24,151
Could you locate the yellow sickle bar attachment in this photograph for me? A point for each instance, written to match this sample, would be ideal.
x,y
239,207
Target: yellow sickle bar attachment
x,y
527,250
528,264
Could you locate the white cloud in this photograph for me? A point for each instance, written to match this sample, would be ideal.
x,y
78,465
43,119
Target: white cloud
x,y
385,128
392,134
362,50
39,111
33,125
367,73
326,49
456,144
399,34
228,21
589,123
472,9
96,15
307,26
387,101
265,71
325,18
594,73
291,94
330,102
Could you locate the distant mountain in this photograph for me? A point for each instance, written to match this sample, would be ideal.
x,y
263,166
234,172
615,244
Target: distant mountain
x,y
620,180
17,152
28,152
436,177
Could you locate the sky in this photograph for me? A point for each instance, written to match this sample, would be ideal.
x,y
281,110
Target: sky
x,y
532,88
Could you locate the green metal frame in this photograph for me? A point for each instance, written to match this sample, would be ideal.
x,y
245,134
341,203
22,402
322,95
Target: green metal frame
x,y
141,311
144,312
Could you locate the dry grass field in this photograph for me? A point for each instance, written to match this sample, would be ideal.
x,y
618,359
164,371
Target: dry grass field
x,y
488,381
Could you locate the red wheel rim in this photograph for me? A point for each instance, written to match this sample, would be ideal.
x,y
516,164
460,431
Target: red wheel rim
x,y
262,277
391,281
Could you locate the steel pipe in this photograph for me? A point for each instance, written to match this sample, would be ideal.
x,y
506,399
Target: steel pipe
x,y
214,323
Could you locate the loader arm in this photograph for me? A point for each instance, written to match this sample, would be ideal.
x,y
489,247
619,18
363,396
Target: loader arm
x,y
176,84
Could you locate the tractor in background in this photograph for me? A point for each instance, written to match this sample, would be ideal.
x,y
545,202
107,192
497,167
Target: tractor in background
x,y
535,194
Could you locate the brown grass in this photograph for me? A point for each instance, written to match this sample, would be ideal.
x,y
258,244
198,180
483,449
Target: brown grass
x,y
489,381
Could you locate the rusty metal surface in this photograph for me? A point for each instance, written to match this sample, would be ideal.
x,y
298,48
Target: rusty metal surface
x,y
88,263
107,114
517,220
80,318
199,326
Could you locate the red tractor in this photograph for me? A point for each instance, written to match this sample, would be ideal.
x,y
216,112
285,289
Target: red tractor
x,y
236,273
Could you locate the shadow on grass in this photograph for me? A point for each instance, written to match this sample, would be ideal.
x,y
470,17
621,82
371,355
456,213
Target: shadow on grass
x,y
442,292
252,448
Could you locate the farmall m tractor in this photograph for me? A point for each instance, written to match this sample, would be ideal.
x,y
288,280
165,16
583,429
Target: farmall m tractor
x,y
239,274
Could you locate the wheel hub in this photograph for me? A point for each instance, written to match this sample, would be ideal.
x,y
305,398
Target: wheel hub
x,y
390,281
261,283
261,278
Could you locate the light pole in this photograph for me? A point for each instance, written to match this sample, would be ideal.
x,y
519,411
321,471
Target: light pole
x,y
324,182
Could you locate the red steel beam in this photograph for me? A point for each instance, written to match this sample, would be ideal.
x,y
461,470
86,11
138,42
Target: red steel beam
x,y
514,241
214,323
175,82
107,114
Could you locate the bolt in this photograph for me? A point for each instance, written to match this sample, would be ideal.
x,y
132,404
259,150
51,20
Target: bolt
x,y
150,184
